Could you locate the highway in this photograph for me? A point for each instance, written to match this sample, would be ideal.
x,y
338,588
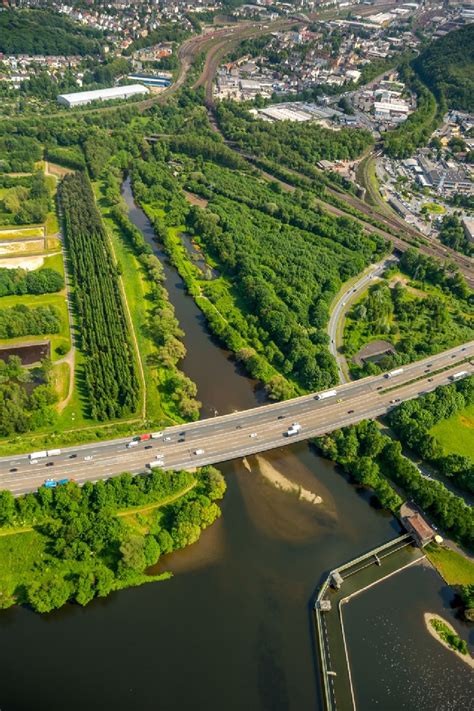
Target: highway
x,y
241,433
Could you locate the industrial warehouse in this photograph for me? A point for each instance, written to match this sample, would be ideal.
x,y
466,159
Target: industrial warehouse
x,y
80,98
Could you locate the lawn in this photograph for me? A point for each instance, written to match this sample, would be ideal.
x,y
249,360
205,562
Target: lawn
x,y
454,567
456,434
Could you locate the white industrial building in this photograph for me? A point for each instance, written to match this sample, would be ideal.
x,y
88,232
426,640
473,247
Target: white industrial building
x,y
80,98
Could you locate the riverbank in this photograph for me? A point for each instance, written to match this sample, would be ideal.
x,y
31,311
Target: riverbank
x,y
429,617
93,540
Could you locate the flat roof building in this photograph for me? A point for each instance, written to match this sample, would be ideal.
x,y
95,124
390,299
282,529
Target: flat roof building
x,y
80,98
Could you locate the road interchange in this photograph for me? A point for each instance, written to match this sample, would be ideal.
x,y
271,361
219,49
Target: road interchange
x,y
230,436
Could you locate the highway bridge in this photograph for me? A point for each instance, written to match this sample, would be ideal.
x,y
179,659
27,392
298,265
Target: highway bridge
x,y
243,433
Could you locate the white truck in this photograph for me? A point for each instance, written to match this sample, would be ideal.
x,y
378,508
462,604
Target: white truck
x,y
393,373
156,435
53,452
458,376
154,465
37,455
325,395
294,429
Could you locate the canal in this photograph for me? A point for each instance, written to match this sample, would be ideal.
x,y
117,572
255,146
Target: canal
x,y
233,628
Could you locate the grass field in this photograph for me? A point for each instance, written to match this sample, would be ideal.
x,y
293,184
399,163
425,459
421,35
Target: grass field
x,y
61,375
434,208
454,567
456,434
20,553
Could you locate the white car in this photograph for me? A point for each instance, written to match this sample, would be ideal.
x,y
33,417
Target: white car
x,y
198,451
254,434
167,439
88,458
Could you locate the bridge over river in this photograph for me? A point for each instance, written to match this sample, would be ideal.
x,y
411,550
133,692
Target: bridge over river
x,y
259,429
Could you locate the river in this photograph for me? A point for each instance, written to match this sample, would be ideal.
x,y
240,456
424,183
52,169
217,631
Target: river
x,y
233,628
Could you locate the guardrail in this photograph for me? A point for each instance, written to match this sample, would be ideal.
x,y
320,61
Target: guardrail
x,y
328,690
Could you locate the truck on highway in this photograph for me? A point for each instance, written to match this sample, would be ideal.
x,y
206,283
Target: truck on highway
x,y
458,376
156,435
157,464
37,455
294,429
53,452
328,393
144,437
392,373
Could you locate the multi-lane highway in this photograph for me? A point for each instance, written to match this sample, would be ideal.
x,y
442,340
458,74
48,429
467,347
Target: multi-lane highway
x,y
242,433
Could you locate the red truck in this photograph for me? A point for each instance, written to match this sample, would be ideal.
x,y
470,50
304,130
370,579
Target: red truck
x,y
144,437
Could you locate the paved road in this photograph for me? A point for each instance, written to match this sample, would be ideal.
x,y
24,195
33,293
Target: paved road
x,y
229,436
340,308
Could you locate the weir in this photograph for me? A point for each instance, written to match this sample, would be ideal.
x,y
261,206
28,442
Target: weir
x,y
339,586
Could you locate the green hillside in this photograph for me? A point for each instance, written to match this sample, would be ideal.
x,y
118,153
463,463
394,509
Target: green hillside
x,y
44,32
447,67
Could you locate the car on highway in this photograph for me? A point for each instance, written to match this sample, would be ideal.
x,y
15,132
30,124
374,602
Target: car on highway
x,y
167,439
181,439
50,483
198,451
72,456
350,412
14,469
430,380
49,464
149,446
281,417
253,434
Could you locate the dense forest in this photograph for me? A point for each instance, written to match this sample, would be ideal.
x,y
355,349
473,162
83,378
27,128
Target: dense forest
x,y
418,325
27,398
18,153
27,205
21,320
452,234
417,129
282,260
295,145
447,68
87,547
110,372
45,32
413,420
21,281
